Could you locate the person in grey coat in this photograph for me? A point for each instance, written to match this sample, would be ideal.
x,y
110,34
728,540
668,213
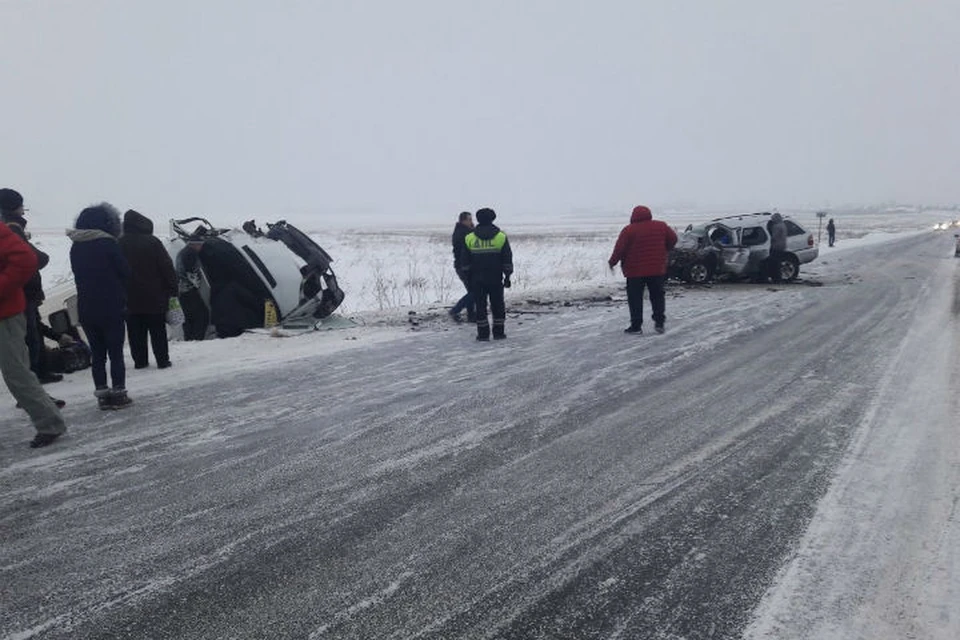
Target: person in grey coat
x,y
778,247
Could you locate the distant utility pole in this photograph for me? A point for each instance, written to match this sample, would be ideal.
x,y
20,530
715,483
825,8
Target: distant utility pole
x,y
821,215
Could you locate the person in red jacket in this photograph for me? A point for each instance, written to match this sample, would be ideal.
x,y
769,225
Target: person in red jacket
x,y
18,263
641,250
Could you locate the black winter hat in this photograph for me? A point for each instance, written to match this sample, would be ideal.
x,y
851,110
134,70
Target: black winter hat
x,y
136,222
10,200
486,216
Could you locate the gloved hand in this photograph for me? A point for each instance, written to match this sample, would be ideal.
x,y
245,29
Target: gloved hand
x,y
506,282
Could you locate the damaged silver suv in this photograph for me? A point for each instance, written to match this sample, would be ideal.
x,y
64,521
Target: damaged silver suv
x,y
735,247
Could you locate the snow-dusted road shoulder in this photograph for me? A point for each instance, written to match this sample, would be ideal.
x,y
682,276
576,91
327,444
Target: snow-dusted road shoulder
x,y
572,482
882,556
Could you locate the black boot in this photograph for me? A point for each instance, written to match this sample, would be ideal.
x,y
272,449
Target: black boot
x,y
119,399
103,397
498,332
483,332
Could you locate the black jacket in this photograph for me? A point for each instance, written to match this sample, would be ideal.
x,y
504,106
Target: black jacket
x,y
459,234
33,290
488,257
99,269
153,280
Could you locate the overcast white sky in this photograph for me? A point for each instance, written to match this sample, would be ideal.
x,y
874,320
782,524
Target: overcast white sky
x,y
418,109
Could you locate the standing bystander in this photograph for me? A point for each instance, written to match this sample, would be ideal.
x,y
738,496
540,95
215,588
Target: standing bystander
x,y
101,273
642,249
460,230
778,247
152,283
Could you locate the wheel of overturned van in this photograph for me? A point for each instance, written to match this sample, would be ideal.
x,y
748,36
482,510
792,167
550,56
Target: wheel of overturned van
x,y
789,268
697,273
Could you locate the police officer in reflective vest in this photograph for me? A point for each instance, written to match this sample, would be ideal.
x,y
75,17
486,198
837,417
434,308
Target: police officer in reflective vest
x,y
488,262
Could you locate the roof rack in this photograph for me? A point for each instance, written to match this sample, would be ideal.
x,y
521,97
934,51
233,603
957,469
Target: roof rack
x,y
741,216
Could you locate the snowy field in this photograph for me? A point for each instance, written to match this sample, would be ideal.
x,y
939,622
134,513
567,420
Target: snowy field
x,y
384,267
867,566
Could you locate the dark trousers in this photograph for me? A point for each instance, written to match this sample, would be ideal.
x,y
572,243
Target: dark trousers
x,y
139,326
831,238
498,307
196,316
658,298
773,266
466,302
106,339
35,340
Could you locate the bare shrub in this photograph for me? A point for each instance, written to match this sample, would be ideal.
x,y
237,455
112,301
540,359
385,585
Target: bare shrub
x,y
385,289
442,278
415,284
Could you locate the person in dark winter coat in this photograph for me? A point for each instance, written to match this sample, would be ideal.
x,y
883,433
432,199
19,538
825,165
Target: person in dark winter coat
x,y
463,227
642,250
831,232
18,262
237,293
778,247
488,263
153,281
12,213
196,315
101,273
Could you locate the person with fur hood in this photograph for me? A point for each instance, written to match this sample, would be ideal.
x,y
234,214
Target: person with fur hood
x,y
153,281
642,250
101,273
18,263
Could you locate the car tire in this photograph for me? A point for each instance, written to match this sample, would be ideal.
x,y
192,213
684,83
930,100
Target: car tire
x,y
697,273
789,268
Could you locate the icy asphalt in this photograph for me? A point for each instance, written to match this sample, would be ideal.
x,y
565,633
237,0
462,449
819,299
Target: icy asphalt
x,y
571,482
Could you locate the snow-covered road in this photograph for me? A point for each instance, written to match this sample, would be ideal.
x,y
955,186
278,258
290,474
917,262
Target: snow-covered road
x,y
782,461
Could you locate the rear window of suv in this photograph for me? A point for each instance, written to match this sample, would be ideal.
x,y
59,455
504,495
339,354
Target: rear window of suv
x,y
752,236
793,229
